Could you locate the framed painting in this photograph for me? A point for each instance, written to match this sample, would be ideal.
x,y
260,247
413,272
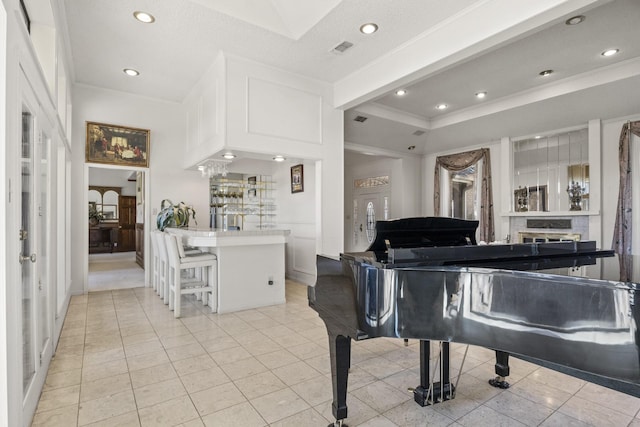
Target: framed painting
x,y
531,199
117,145
297,179
538,198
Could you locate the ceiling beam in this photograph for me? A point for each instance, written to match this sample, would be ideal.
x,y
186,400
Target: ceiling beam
x,y
601,76
485,25
384,112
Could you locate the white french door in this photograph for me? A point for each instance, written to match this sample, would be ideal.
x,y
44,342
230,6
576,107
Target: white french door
x,y
35,309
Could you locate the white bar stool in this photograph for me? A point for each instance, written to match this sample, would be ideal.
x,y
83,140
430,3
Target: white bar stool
x,y
206,284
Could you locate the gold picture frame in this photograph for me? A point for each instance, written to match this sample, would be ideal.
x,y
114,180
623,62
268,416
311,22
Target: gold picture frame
x,y
117,145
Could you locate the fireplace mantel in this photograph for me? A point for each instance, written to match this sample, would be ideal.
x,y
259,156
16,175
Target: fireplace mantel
x,y
547,214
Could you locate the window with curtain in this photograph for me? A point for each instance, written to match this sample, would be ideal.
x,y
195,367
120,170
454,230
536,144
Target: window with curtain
x,y
456,176
622,233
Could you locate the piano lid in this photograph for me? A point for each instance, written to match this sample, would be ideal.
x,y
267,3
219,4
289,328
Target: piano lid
x,y
422,232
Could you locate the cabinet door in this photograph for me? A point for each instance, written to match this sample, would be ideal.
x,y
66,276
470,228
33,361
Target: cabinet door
x,y
140,244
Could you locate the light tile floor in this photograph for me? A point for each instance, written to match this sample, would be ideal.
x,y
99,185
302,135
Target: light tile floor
x,y
123,360
114,271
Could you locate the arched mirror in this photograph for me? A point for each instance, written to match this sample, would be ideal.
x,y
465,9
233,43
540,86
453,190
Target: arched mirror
x,y
95,197
103,203
110,205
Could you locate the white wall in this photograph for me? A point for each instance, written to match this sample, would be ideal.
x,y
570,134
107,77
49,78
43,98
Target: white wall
x,y
112,178
297,213
260,111
166,178
4,366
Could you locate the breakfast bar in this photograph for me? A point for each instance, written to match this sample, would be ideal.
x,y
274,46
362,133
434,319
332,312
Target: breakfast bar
x,y
251,270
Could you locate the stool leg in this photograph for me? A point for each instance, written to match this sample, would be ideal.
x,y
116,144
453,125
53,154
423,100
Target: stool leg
x,y
213,283
177,294
167,294
165,291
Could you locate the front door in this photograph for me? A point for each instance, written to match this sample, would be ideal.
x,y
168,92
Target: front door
x,y
368,208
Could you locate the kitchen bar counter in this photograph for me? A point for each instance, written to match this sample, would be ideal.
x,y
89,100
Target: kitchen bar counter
x,y
250,264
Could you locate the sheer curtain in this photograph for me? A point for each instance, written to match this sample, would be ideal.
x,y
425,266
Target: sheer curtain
x,y
622,231
461,161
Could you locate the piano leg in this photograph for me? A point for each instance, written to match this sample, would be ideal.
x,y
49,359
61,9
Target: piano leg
x,y
502,370
340,353
430,393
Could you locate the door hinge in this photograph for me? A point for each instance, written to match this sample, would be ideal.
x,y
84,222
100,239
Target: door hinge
x,y
9,191
40,359
23,234
40,210
39,284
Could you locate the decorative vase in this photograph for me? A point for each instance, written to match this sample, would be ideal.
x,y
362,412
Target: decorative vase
x,y
575,196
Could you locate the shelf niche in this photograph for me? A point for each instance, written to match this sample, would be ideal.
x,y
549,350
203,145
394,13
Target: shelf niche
x,y
242,202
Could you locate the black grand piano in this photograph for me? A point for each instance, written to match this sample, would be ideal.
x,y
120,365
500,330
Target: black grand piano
x,y
564,305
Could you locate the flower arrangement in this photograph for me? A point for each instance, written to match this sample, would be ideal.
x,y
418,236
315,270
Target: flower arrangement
x,y
95,216
171,215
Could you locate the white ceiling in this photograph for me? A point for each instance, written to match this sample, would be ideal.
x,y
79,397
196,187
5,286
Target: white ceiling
x,y
297,35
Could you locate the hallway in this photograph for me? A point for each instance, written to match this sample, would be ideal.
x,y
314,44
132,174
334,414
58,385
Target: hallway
x,y
114,271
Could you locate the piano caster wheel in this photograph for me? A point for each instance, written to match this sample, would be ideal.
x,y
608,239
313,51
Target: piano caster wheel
x,y
338,423
499,382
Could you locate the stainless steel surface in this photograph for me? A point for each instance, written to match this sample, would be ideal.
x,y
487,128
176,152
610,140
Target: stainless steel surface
x,y
581,323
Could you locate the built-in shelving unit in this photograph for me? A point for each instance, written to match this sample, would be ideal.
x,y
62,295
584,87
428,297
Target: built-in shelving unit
x,y
243,202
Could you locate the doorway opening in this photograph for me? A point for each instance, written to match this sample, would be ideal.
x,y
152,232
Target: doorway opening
x,y
116,206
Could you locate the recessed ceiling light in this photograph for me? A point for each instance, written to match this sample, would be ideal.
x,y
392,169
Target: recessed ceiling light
x,y
546,73
575,20
610,52
442,106
481,95
369,28
131,72
145,17
229,155
401,92
279,158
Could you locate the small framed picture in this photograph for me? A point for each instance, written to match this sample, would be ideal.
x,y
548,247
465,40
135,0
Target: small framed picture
x,y
297,179
252,192
252,180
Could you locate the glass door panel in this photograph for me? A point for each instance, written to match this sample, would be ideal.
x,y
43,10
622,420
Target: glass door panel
x,y
44,321
27,261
